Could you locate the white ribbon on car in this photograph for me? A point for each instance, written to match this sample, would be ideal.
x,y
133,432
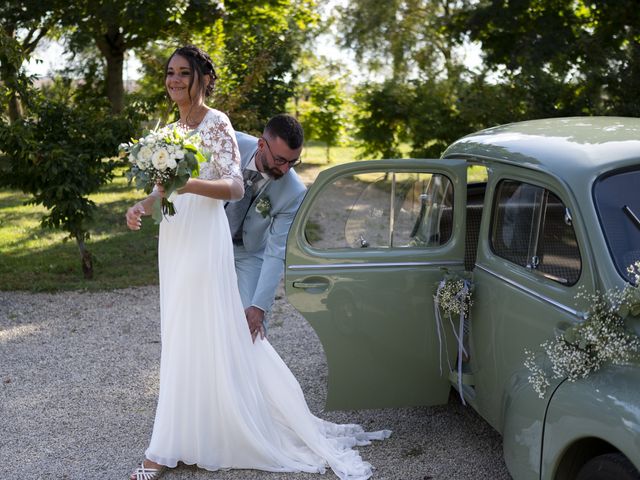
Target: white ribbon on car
x,y
457,332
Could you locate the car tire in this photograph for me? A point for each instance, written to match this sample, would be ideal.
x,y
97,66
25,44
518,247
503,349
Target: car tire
x,y
607,467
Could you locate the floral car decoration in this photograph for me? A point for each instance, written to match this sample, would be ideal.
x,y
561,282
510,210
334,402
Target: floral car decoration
x,y
603,338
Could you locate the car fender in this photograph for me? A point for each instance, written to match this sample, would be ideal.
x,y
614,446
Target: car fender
x,y
589,417
523,426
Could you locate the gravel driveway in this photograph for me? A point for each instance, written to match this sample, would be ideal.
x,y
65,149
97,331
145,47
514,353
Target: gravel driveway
x,y
79,375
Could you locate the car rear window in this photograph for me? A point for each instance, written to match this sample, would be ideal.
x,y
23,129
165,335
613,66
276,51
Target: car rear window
x,y
531,227
618,205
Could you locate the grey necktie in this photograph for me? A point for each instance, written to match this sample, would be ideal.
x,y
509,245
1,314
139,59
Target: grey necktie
x,y
236,211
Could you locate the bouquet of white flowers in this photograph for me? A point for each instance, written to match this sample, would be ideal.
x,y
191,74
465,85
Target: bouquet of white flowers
x,y
167,157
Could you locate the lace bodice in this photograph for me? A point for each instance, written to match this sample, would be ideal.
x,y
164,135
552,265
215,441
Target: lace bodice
x,y
218,137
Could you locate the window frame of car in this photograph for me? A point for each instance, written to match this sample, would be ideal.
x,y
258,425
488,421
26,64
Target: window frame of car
x,y
510,210
601,212
526,278
391,233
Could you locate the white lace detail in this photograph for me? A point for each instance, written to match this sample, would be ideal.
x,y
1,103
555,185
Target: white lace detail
x,y
218,137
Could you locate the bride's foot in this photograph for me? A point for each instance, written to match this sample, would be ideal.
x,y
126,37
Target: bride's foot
x,y
148,470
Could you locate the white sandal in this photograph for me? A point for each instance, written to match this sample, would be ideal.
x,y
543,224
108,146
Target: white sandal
x,y
146,473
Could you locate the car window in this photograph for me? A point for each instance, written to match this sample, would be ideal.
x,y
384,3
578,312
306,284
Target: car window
x,y
382,210
531,227
618,205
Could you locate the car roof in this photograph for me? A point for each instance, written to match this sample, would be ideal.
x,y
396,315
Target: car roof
x,y
582,147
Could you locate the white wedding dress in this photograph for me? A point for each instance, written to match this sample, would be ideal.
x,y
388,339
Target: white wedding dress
x,y
226,402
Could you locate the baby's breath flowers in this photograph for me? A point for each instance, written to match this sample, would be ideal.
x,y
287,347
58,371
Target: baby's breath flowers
x,y
602,338
167,157
453,298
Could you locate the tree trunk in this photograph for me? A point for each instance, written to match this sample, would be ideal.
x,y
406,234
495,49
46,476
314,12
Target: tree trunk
x,y
9,75
85,258
12,59
115,85
112,46
15,108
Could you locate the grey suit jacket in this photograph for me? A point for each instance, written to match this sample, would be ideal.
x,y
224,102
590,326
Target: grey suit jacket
x,y
266,236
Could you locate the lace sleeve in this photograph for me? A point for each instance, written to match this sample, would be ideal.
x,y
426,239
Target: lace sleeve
x,y
219,139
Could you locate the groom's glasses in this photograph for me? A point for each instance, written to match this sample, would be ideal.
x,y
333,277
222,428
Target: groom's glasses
x,y
279,160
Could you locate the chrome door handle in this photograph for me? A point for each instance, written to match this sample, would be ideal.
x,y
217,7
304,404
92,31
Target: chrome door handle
x,y
310,284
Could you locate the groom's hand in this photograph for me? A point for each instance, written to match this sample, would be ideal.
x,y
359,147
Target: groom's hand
x,y
255,318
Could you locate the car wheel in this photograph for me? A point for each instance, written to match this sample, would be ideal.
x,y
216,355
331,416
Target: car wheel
x,y
607,467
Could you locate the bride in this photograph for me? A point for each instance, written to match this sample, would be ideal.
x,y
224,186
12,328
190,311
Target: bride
x,y
225,400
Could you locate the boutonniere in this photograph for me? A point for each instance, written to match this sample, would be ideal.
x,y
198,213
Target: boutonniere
x,y
263,207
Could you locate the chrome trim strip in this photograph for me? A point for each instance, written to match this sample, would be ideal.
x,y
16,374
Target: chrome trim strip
x,y
360,265
531,292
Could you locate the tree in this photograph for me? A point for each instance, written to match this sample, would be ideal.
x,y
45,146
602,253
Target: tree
x,y
414,45
255,48
261,46
565,57
409,38
22,26
117,26
381,122
322,111
56,153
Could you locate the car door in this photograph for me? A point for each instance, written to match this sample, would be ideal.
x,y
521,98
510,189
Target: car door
x,y
531,264
364,256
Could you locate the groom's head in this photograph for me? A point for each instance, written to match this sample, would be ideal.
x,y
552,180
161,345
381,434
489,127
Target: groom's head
x,y
280,146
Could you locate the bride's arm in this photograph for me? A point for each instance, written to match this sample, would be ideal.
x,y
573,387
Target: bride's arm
x,y
219,138
220,188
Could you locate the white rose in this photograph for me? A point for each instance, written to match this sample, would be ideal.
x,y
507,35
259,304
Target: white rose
x,y
171,163
143,157
160,158
179,154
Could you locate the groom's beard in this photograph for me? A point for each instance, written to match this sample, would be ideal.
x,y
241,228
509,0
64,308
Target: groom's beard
x,y
274,173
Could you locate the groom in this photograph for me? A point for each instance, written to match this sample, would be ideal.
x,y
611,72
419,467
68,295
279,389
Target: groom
x,y
260,221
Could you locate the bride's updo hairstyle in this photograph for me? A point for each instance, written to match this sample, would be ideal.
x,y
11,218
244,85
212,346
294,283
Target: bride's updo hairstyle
x,y
202,66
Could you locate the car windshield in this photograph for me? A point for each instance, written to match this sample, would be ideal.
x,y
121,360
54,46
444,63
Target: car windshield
x,y
618,205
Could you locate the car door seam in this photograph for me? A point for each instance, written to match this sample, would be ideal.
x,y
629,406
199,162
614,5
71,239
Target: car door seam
x,y
531,292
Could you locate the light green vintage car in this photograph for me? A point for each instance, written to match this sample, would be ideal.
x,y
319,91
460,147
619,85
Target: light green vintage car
x,y
534,212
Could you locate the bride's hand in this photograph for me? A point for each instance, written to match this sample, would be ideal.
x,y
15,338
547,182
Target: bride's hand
x,y
134,216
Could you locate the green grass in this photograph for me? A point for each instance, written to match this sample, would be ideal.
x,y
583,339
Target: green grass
x,y
315,153
37,259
